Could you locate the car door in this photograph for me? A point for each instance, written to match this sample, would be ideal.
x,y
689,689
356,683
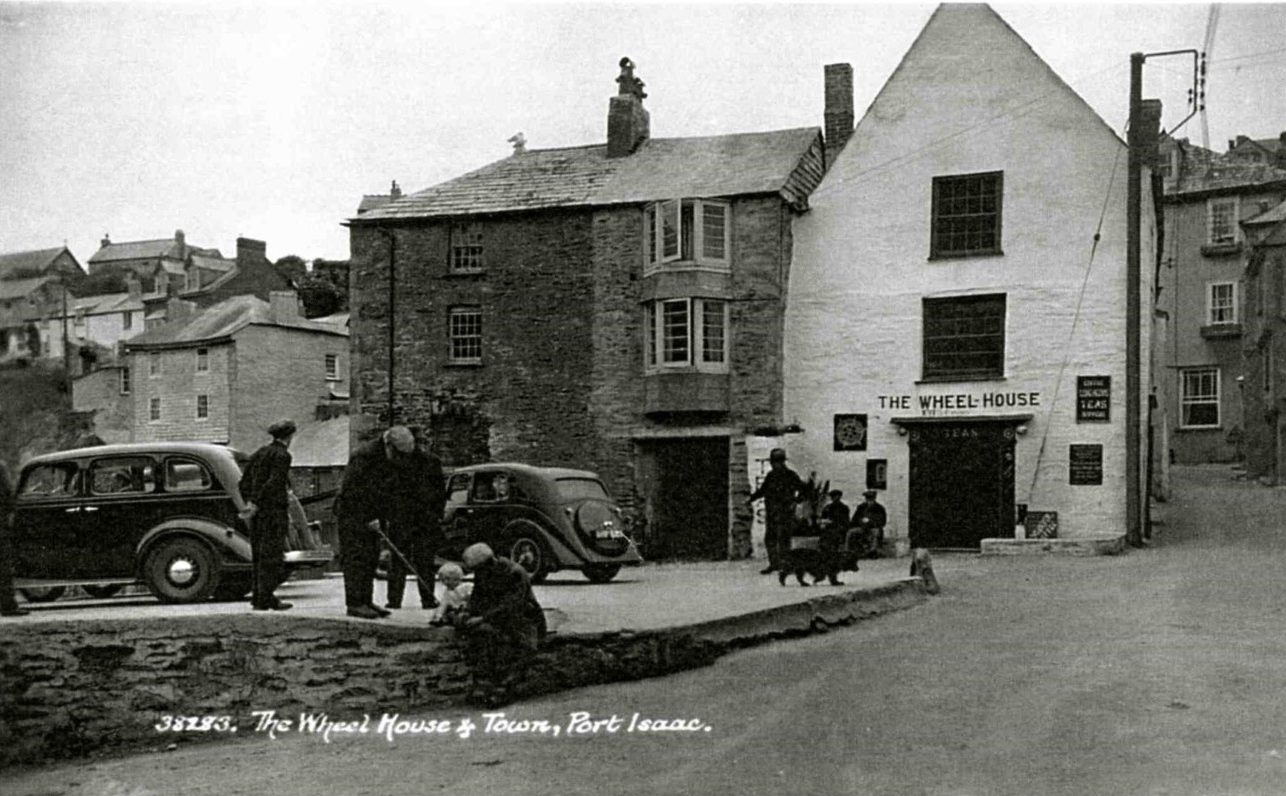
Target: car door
x,y
47,521
122,501
488,508
455,517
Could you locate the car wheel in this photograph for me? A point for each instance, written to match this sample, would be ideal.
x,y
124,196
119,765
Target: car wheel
x,y
601,573
38,595
234,587
102,592
181,570
524,547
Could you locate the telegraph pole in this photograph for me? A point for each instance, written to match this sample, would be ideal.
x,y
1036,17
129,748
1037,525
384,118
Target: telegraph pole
x,y
1133,273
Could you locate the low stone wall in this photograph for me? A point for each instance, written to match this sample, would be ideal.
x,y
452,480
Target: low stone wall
x,y
1092,546
69,689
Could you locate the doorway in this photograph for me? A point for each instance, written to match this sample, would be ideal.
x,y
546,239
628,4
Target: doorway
x,y
684,482
961,484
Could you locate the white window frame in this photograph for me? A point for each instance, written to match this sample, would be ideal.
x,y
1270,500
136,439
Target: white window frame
x,y
467,249
1234,234
199,415
332,367
203,360
1201,399
1215,310
153,364
452,337
655,253
154,410
696,356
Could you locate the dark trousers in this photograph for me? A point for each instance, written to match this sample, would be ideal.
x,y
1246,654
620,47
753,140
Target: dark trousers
x,y
359,554
499,655
777,540
7,600
267,547
419,547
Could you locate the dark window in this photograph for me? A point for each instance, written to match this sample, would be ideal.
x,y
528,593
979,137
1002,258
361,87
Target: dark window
x,y
465,329
182,475
964,338
966,215
124,475
466,248
50,481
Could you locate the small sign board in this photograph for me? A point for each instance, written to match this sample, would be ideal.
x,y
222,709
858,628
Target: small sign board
x,y
1093,399
1085,465
850,432
877,473
1042,524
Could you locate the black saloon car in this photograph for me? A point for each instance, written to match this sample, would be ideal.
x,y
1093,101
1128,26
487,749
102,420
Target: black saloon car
x,y
163,514
544,518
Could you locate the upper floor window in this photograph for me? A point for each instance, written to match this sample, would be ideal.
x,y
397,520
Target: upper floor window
x,y
154,363
202,360
966,215
1221,220
79,329
154,410
125,381
466,248
465,335
127,320
964,338
332,367
687,332
1221,302
1199,398
687,231
203,407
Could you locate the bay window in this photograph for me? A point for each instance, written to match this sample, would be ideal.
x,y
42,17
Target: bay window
x,y
687,231
686,333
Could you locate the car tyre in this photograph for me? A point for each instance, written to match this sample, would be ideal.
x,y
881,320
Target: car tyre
x,y
524,546
601,573
42,595
182,570
103,592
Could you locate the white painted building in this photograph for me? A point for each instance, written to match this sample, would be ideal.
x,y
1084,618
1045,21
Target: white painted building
x,y
947,298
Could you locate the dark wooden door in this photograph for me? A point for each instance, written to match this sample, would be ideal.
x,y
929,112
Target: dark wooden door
x,y
690,501
961,484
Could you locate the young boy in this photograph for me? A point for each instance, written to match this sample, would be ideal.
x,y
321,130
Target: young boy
x,y
455,595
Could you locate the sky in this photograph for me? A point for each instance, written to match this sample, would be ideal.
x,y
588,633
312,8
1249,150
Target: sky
x,y
271,120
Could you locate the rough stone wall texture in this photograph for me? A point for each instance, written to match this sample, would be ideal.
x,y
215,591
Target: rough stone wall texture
x,y
100,392
177,385
861,269
1264,364
280,373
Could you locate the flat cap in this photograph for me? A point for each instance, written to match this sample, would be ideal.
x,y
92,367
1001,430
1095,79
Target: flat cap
x,y
282,428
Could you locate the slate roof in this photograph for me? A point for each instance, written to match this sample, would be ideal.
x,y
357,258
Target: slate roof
x,y
1272,215
220,321
146,249
370,201
30,262
1224,175
17,288
661,168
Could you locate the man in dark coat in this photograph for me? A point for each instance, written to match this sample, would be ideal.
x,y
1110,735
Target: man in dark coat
x,y
503,624
869,518
8,603
417,496
265,485
363,498
780,489
834,526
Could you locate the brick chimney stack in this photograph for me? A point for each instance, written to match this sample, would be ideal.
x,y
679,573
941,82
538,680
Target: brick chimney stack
x,y
1150,120
284,305
106,241
249,249
628,123
839,109
395,192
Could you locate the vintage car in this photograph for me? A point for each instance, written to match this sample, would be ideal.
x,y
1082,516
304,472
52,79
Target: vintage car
x,y
544,518
162,514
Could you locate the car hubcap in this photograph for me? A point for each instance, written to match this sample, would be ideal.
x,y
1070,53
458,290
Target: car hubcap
x,y
181,572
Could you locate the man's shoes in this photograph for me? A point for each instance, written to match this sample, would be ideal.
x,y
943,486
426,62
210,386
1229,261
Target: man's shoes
x,y
15,611
431,604
393,606
381,611
281,606
365,612
768,570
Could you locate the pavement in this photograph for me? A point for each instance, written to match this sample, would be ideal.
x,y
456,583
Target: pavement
x,y
649,597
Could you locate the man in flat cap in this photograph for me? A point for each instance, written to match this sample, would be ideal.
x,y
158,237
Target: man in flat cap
x,y
417,496
265,486
869,518
779,490
503,624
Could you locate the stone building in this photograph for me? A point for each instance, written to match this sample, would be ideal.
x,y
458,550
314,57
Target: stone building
x,y
1204,254
956,328
33,286
1263,345
614,307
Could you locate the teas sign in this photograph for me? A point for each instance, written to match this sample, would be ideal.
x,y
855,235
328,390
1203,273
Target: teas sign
x,y
1093,399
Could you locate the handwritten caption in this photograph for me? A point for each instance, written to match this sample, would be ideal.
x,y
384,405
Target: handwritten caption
x,y
391,726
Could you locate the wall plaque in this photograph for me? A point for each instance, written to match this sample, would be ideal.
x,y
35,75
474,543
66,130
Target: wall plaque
x,y
1085,465
850,432
877,473
1093,399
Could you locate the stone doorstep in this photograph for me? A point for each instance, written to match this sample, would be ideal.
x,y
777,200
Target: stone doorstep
x,y
1084,546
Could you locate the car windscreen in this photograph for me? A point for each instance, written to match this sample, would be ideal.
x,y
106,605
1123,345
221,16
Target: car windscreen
x,y
580,489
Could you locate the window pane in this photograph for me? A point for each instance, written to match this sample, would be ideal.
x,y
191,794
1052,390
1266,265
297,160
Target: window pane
x,y
669,230
1199,397
1223,214
186,476
125,475
964,337
50,480
466,335
966,215
713,226
675,332
649,313
688,227
712,343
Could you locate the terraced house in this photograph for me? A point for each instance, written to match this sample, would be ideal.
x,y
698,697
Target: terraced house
x,y
615,307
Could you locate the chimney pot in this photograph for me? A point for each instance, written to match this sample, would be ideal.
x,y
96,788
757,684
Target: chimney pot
x,y
106,241
839,108
395,192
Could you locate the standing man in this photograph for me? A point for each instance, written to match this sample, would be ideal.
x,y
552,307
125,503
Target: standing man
x,y
503,625
780,489
834,523
870,518
265,485
8,603
363,499
419,494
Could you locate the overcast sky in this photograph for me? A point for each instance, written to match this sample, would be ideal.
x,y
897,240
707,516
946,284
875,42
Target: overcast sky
x,y
271,120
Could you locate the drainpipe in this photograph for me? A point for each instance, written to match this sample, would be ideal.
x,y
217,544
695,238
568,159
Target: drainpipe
x,y
392,312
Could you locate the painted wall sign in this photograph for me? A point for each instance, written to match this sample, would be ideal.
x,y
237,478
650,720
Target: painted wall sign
x,y
1085,465
960,402
877,473
1042,524
850,432
1093,399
